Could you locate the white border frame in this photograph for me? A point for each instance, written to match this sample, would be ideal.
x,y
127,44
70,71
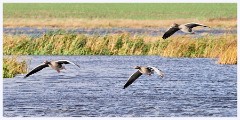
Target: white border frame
x,y
118,1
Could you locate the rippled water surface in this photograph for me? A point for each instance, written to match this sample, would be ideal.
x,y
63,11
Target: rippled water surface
x,y
191,87
35,32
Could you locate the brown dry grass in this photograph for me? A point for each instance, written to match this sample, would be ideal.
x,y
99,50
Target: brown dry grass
x,y
106,23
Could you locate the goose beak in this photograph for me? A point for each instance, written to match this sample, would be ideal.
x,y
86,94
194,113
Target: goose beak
x,y
136,67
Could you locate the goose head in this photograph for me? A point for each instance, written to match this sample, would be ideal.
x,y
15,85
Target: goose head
x,y
174,25
137,67
46,62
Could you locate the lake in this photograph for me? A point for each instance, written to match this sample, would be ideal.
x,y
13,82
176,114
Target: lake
x,y
191,87
36,32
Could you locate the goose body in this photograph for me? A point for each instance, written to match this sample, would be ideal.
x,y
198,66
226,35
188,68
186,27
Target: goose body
x,y
56,65
142,70
186,28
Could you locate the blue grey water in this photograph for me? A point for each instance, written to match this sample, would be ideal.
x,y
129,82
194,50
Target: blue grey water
x,y
36,32
191,87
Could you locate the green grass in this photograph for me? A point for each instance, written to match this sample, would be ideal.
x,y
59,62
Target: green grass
x,y
136,11
124,44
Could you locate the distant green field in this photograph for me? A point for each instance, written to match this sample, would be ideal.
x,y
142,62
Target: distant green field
x,y
136,11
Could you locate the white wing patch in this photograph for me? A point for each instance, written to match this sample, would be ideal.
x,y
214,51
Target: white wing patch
x,y
159,72
68,62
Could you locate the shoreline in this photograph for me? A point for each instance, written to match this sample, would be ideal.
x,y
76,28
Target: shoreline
x,y
110,23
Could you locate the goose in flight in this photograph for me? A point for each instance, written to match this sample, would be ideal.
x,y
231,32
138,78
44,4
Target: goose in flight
x,y
142,70
56,65
186,28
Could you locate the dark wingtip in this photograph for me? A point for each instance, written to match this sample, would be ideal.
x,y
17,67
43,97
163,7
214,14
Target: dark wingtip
x,y
25,76
78,65
164,37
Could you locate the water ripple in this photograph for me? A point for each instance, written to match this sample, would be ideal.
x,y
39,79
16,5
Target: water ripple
x,y
191,87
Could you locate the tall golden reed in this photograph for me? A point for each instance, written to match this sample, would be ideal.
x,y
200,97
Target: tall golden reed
x,y
12,67
223,47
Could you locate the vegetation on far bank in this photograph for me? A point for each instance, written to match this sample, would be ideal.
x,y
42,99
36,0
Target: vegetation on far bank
x,y
12,67
104,23
117,14
134,11
223,47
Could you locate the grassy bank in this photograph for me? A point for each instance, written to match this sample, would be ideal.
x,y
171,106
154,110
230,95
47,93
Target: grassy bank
x,y
12,67
117,14
124,44
135,11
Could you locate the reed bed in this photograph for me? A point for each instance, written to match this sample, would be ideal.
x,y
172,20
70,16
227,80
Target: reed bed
x,y
12,67
223,47
229,56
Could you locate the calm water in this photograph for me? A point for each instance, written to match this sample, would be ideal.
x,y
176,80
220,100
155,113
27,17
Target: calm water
x,y
191,87
35,32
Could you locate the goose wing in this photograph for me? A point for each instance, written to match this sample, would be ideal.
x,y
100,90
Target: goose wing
x,y
132,78
159,72
169,32
192,25
36,69
66,62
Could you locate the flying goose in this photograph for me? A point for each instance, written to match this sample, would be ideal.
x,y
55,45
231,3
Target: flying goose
x,y
186,28
56,65
142,70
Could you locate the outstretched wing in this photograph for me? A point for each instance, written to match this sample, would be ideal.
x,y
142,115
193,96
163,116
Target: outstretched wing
x,y
36,69
159,72
169,32
192,25
132,78
66,62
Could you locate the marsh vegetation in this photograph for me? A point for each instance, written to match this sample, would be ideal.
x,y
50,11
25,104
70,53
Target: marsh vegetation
x,y
12,66
223,47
